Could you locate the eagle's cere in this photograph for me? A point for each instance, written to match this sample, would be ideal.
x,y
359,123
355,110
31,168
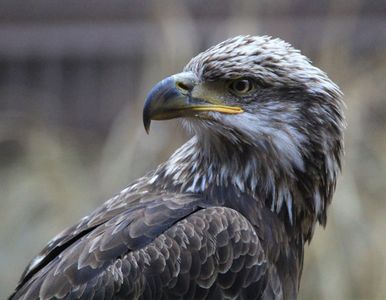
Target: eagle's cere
x,y
228,215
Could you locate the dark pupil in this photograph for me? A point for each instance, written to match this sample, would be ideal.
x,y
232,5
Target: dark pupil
x,y
242,85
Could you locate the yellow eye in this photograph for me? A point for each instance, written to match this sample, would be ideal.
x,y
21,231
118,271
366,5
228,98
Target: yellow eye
x,y
241,86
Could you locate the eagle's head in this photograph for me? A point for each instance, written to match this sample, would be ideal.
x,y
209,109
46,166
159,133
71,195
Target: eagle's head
x,y
263,118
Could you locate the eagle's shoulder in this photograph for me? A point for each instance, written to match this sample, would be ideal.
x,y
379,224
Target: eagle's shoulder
x,y
135,204
166,241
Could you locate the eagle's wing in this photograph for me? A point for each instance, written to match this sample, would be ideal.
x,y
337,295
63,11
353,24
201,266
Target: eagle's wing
x,y
164,249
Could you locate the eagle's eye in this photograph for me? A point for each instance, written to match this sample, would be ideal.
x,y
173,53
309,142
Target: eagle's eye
x,y
241,86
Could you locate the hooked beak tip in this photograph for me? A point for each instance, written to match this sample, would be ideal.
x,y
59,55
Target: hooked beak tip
x,y
146,124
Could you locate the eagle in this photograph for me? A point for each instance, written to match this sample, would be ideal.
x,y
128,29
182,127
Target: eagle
x,y
228,215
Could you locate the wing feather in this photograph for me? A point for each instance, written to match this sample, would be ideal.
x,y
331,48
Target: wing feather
x,y
198,253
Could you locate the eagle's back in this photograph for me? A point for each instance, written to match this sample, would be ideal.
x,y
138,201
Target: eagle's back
x,y
144,244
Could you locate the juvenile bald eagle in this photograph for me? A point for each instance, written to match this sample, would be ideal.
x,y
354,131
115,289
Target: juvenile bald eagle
x,y
228,214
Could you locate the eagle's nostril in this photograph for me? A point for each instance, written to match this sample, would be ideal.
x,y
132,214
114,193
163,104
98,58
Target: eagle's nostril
x,y
181,85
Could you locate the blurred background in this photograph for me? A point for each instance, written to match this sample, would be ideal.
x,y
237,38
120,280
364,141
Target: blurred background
x,y
73,76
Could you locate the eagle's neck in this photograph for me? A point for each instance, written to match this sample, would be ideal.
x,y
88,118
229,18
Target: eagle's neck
x,y
197,168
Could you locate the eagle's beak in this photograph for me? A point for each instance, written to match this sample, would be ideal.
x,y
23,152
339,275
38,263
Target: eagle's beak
x,y
172,98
